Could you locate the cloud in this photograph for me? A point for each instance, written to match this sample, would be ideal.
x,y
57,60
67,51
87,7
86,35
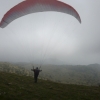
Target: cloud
x,y
53,37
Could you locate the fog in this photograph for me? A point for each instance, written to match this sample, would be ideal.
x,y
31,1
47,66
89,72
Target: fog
x,y
52,37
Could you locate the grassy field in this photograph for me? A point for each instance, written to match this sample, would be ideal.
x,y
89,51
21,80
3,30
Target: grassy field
x,y
15,87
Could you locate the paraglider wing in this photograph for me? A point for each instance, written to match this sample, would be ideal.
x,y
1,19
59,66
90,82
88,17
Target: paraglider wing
x,y
32,6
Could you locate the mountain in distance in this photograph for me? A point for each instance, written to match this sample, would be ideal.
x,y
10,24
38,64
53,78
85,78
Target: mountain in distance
x,y
69,74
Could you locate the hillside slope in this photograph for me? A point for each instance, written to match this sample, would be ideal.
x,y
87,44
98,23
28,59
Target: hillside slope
x,y
16,87
70,74
11,68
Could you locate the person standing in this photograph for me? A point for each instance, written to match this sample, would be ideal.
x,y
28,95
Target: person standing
x,y
36,73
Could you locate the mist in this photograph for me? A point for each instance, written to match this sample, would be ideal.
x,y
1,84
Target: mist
x,y
52,37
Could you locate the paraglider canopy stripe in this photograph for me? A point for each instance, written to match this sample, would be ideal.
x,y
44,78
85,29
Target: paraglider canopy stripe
x,y
33,6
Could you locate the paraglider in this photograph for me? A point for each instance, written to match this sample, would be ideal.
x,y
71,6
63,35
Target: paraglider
x,y
33,6
36,73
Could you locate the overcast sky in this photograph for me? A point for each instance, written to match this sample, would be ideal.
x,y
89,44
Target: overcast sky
x,y
52,37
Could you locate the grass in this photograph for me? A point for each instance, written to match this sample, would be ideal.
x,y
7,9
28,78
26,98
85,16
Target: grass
x,y
15,87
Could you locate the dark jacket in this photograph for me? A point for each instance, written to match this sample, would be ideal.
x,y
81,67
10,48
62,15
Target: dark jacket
x,y
36,72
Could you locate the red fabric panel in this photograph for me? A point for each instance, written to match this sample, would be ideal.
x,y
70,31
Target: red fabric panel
x,y
26,7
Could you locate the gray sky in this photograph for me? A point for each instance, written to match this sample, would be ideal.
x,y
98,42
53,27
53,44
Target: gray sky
x,y
52,37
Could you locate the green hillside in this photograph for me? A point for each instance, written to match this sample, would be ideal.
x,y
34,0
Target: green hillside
x,y
11,68
69,74
16,87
